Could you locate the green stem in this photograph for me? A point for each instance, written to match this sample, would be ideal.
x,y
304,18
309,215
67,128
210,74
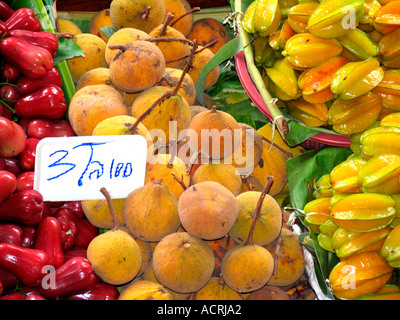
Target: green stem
x,y
256,75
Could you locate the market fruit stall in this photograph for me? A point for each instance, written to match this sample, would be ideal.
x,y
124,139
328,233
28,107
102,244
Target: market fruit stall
x,y
163,150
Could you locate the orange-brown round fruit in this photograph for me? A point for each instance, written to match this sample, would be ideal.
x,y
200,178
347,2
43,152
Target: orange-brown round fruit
x,y
145,290
200,59
179,8
206,30
92,104
171,78
138,66
182,262
290,259
247,268
100,20
207,210
143,15
213,133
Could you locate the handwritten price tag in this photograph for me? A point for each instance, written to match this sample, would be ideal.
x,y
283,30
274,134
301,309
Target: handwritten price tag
x,y
76,168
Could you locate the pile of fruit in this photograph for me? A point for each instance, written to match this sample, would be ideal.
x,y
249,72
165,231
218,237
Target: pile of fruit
x,y
331,64
203,226
355,213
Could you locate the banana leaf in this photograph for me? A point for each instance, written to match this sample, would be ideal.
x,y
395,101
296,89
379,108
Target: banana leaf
x,y
302,171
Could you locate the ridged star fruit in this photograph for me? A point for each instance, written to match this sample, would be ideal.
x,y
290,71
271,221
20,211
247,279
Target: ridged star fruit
x,y
286,5
355,115
305,50
262,17
391,248
391,120
357,78
355,144
396,221
278,39
324,238
361,274
298,15
389,49
284,78
334,18
386,18
389,89
362,212
380,140
347,243
323,187
360,44
264,55
343,177
311,114
316,212
381,174
315,82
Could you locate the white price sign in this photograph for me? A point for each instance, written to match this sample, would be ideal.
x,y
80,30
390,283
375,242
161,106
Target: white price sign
x,y
76,168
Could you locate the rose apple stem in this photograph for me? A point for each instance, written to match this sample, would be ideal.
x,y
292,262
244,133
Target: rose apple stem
x,y
111,207
276,114
184,15
257,210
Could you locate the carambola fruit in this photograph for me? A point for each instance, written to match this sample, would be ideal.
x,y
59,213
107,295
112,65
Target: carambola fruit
x,y
357,78
361,274
361,212
317,212
334,18
381,174
391,248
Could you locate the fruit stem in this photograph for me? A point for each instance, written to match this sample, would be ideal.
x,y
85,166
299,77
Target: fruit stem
x,y
180,181
165,95
111,207
287,153
186,68
197,51
257,210
184,15
146,13
169,39
214,109
167,21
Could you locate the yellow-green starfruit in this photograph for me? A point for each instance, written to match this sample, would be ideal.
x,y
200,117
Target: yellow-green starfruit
x,y
359,275
322,187
387,17
346,243
357,78
363,212
278,39
355,144
389,89
391,248
305,50
381,174
335,18
311,114
360,44
355,115
283,80
380,140
262,17
324,238
264,55
316,212
389,49
343,177
298,15
315,82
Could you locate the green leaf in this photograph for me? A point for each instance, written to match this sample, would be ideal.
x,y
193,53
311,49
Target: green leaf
x,y
67,49
302,169
224,53
108,31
